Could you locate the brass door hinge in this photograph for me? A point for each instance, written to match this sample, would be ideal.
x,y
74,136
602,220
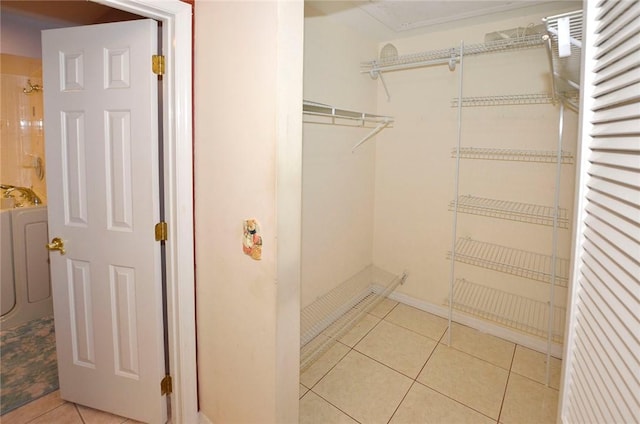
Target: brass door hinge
x,y
157,64
166,385
161,231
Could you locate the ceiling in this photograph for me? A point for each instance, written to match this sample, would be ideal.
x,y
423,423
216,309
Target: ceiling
x,y
380,20
391,19
81,12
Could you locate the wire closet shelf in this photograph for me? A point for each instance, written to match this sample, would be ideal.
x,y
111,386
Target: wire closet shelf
x,y
518,155
330,317
509,210
522,263
330,115
327,114
441,56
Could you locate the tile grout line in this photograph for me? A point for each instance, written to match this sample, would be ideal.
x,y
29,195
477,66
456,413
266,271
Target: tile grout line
x,y
415,380
344,412
310,389
350,348
75,406
506,386
444,394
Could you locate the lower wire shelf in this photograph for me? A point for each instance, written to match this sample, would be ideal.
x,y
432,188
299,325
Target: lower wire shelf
x,y
331,316
510,310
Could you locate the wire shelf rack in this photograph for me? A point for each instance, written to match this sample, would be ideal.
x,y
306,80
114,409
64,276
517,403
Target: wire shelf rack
x,y
522,263
505,100
338,116
546,156
439,56
510,310
331,316
514,211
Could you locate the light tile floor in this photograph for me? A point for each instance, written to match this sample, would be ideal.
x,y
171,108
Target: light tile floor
x,y
50,409
396,367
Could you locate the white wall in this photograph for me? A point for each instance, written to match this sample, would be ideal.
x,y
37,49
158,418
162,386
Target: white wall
x,y
338,185
415,171
248,79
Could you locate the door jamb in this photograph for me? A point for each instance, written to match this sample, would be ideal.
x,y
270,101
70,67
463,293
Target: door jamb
x,y
176,21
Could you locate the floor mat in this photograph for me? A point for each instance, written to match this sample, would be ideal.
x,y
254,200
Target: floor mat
x,y
28,363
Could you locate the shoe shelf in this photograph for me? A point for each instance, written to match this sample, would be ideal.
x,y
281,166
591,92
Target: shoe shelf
x,y
327,319
527,315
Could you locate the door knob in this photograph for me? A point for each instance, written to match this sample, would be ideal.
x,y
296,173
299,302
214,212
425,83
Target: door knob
x,y
56,244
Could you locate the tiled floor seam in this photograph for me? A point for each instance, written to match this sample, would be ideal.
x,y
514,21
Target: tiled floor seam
x,y
456,400
506,385
482,359
335,406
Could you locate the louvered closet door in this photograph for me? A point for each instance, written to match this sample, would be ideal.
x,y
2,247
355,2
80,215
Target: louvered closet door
x,y
602,366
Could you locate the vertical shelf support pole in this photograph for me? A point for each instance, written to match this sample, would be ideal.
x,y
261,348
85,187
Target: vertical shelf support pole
x,y
554,252
456,190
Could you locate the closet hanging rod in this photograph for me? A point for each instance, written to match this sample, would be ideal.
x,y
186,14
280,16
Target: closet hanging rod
x,y
323,110
320,109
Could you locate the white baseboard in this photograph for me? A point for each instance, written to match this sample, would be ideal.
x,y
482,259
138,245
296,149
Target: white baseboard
x,y
488,327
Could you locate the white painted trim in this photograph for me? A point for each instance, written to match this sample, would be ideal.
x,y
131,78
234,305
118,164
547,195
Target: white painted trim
x,y
582,153
497,330
178,157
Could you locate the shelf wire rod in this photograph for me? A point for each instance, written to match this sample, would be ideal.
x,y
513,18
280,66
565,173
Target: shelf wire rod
x,y
555,244
456,189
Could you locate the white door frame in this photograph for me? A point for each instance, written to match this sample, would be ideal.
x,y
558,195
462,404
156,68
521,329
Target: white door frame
x,y
178,191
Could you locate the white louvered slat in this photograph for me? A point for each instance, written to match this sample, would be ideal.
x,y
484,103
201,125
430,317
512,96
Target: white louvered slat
x,y
627,228
626,160
601,381
625,64
619,82
616,49
626,197
625,127
631,143
628,95
622,175
619,17
619,113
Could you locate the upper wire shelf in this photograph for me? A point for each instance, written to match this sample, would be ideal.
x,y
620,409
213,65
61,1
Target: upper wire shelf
x,y
546,156
441,56
524,314
514,211
564,49
505,100
522,263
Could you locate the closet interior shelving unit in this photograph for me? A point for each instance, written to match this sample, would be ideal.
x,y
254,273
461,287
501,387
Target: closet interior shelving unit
x,y
530,316
328,318
331,316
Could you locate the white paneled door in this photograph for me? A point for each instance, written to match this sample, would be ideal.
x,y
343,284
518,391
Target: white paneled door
x,y
101,124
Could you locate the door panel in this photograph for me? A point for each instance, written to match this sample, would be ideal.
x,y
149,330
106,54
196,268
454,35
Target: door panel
x,y
101,128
